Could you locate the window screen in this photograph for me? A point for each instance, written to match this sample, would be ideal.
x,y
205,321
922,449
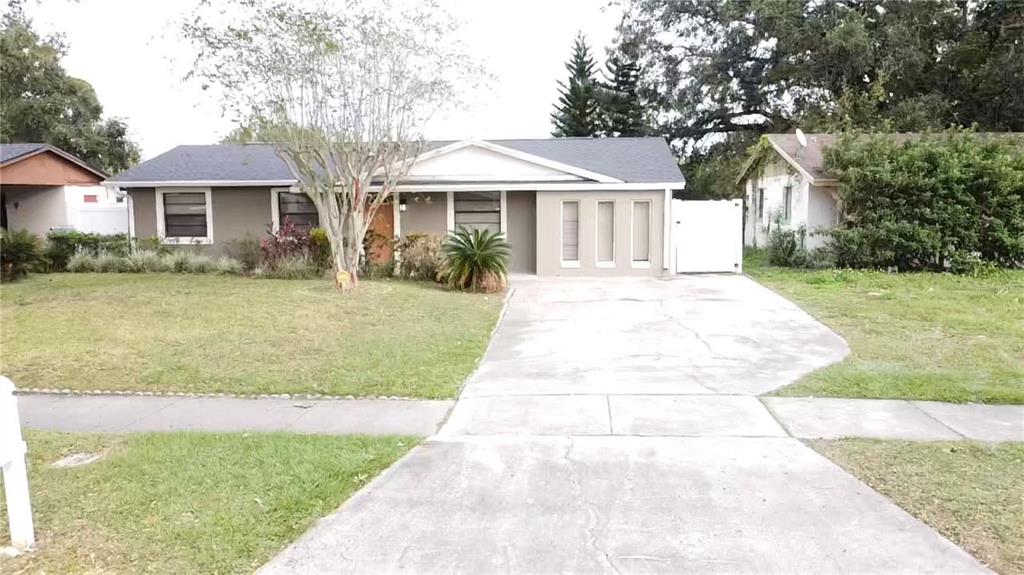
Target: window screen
x,y
787,202
478,210
570,231
605,231
185,215
641,231
297,209
760,203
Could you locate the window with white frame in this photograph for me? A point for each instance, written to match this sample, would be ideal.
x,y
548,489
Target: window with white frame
x,y
641,224
605,234
478,211
787,202
297,208
760,203
570,233
185,215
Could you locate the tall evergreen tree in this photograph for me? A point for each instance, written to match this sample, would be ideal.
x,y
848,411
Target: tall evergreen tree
x,y
39,102
578,112
623,110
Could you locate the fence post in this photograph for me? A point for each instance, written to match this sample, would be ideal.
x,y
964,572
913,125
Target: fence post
x,y
12,459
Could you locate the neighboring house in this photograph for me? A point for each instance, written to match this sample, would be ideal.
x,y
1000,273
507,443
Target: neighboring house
x,y
43,188
568,206
790,189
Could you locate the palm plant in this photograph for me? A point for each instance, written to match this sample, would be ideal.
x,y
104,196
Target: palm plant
x,y
476,259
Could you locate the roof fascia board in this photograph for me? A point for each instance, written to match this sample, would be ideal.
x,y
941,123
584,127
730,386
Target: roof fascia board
x,y
543,187
197,183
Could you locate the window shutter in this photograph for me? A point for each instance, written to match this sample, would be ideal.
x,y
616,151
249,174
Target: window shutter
x,y
605,231
641,231
570,231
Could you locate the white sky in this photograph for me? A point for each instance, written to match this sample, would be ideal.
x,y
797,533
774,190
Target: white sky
x,y
129,50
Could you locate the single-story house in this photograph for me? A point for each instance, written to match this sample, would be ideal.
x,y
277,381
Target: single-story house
x,y
567,206
44,188
790,189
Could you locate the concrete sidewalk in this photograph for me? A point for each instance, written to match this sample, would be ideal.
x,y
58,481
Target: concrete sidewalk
x,y
833,418
133,414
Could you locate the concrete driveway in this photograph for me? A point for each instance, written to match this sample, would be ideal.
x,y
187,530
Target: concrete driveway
x,y
613,427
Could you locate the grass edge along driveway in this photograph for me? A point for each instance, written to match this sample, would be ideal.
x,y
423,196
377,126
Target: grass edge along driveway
x,y
187,502
970,492
923,336
205,334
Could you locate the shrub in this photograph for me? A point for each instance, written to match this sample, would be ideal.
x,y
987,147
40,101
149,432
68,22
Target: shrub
x,y
291,268
245,250
787,247
230,266
177,261
81,262
152,244
476,259
144,261
62,244
320,248
288,242
380,271
20,252
929,203
109,263
420,256
200,264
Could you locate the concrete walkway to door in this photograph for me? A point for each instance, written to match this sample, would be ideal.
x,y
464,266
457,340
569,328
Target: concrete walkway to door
x,y
530,475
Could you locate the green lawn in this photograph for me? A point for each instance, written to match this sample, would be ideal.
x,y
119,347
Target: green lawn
x,y
917,336
187,502
972,493
205,333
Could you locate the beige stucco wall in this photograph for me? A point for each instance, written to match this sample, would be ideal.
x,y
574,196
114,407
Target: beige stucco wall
x,y
144,210
549,232
521,231
237,212
425,213
37,209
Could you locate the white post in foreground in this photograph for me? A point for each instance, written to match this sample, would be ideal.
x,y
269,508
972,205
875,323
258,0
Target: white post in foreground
x,y
12,460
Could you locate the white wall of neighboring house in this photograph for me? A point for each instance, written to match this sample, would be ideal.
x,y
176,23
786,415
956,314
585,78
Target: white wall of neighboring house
x,y
813,207
41,209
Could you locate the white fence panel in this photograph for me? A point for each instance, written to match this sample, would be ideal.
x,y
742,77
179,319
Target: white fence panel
x,y
12,460
102,218
707,236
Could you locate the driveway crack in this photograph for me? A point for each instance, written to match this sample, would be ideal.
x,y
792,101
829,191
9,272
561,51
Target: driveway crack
x,y
594,524
695,333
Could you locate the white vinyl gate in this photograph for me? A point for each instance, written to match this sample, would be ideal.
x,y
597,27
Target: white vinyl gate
x,y
707,236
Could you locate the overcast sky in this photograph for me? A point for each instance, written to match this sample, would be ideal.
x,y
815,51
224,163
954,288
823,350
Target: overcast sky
x,y
130,52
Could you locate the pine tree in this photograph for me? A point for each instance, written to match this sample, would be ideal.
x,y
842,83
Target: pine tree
x,y
578,112
623,110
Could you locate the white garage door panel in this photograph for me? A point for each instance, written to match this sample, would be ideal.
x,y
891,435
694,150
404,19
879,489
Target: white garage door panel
x,y
707,236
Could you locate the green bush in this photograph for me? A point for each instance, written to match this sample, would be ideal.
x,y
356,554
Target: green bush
x,y
200,264
245,250
320,248
177,261
81,262
787,248
62,244
420,256
290,268
943,202
152,244
20,252
144,261
476,259
108,263
229,266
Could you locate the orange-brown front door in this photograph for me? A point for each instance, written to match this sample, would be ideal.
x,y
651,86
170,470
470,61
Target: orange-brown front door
x,y
382,227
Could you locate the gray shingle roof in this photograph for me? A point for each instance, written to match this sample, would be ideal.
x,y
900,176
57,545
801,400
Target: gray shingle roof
x,y
639,160
12,151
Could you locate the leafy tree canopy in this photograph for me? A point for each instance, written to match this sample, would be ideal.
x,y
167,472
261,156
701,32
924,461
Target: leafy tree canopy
x,y
722,72
39,102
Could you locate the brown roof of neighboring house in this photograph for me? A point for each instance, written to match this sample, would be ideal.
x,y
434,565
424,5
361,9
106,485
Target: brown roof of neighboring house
x,y
810,160
17,152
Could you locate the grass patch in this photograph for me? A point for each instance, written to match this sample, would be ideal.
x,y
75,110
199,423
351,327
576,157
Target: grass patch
x,y
170,332
924,336
972,493
187,502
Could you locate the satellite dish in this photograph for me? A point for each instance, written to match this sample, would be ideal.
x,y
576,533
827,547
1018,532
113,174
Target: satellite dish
x,y
800,137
